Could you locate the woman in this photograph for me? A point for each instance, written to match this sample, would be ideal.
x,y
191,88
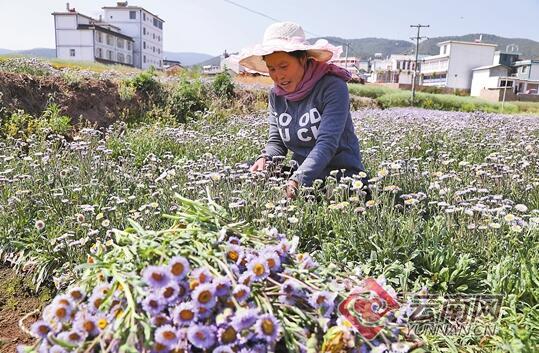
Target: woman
x,y
309,106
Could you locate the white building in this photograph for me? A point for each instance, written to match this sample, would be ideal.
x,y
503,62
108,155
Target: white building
x,y
144,27
453,66
394,69
82,38
488,77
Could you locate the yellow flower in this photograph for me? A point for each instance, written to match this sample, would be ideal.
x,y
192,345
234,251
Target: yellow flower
x,y
383,172
509,217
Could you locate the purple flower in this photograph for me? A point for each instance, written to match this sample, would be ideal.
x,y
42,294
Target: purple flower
x,y
156,276
95,301
227,334
202,275
222,286
244,319
241,293
204,295
160,348
60,312
40,329
167,335
102,289
273,261
258,268
178,267
74,337
246,278
76,294
160,320
234,240
87,323
234,253
184,314
290,292
323,300
267,327
153,304
306,262
201,336
170,292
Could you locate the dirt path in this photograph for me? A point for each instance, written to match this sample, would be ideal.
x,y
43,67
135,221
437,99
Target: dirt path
x,y
16,300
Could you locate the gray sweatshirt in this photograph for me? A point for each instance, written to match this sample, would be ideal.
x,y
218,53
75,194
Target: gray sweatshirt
x,y
318,130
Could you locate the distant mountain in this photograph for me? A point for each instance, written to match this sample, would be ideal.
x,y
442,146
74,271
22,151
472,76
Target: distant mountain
x,y
367,47
187,58
38,52
215,61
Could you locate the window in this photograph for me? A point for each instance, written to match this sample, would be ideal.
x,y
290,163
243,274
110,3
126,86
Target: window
x,y
153,35
156,22
128,59
506,83
158,38
109,39
71,52
128,45
144,58
144,30
158,51
99,37
132,15
99,53
144,16
120,43
120,57
109,54
154,49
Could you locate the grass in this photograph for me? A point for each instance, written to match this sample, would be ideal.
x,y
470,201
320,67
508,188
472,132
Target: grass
x,y
390,97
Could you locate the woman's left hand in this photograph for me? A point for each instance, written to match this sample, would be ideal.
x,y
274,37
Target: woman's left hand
x,y
291,189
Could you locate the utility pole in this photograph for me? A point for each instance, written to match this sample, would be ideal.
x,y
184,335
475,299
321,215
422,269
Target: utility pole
x,y
346,56
417,39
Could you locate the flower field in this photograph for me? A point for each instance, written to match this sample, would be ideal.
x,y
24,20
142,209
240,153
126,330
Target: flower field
x,y
158,239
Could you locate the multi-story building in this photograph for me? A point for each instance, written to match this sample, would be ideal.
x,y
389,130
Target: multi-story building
x,y
452,67
144,27
395,69
83,38
125,34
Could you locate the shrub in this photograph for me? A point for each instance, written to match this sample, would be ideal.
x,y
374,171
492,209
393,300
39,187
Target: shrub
x,y
147,84
187,99
20,125
222,86
55,121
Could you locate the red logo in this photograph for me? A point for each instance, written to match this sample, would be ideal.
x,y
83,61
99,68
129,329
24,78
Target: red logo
x,y
366,306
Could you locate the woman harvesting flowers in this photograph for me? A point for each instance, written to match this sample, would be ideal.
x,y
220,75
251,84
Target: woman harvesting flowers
x,y
309,106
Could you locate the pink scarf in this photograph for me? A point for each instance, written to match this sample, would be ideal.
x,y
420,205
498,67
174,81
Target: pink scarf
x,y
313,73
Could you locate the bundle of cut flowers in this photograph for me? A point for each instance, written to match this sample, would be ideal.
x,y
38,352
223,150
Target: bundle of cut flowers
x,y
204,285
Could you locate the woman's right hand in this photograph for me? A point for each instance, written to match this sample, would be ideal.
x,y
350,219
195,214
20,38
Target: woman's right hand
x,y
259,165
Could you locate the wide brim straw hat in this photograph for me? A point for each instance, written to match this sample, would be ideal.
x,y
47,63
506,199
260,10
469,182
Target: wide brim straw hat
x,y
287,37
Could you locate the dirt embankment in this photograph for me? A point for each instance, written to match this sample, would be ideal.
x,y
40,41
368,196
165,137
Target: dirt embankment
x,y
17,300
96,101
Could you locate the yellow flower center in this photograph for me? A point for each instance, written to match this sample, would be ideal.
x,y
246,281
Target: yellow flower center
x,y
229,335
239,294
169,335
177,269
102,323
186,314
271,263
61,312
156,276
320,299
258,269
76,294
168,292
267,327
74,336
88,326
233,255
43,329
204,297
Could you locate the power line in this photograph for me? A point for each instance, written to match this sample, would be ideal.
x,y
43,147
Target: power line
x,y
346,44
417,38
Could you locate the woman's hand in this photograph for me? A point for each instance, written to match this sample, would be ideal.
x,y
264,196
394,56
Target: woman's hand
x,y
259,165
292,189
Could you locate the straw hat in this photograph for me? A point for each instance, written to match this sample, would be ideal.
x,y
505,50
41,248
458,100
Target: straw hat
x,y
287,37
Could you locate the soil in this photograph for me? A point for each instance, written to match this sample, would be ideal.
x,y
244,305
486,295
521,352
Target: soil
x,y
95,100
16,300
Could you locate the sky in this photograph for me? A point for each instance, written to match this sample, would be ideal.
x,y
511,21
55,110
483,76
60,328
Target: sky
x,y
211,26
